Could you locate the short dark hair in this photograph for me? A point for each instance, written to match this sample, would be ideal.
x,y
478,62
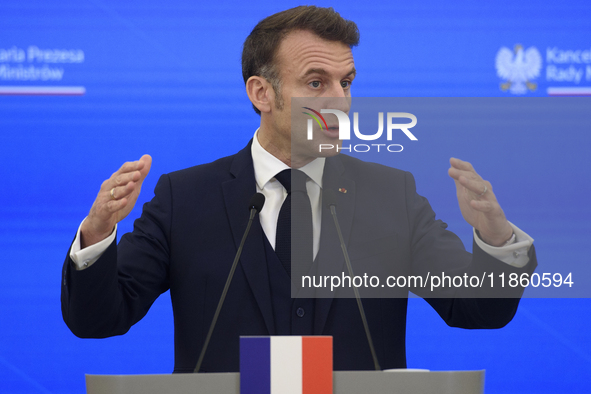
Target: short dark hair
x,y
260,47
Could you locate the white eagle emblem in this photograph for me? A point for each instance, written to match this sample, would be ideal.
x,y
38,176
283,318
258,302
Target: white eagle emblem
x,y
518,69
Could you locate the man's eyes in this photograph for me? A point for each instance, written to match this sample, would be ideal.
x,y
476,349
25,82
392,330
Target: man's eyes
x,y
317,84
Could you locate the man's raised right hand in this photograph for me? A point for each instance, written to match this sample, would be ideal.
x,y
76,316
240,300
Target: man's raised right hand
x,y
114,201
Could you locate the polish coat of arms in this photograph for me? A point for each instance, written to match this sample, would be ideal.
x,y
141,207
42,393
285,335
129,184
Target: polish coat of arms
x,y
518,68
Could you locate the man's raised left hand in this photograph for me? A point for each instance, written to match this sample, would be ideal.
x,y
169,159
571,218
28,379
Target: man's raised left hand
x,y
478,204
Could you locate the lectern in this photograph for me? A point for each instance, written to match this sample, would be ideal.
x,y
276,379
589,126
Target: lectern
x,y
345,382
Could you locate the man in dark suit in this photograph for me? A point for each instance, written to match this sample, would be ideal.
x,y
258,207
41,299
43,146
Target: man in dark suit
x,y
188,234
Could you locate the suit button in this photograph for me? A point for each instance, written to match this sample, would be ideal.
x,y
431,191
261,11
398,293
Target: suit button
x,y
300,312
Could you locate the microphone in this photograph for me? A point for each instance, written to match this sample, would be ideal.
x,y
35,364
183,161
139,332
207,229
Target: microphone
x,y
255,205
256,202
330,200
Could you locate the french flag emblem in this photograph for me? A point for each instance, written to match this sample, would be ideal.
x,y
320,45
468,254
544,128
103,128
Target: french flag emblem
x,y
286,365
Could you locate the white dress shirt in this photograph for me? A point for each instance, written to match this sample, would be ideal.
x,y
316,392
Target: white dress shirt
x,y
266,166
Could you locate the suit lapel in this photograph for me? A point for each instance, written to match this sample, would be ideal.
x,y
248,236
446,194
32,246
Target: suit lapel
x,y
330,256
237,194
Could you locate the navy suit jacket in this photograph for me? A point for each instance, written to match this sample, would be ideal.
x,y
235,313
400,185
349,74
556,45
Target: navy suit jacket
x,y
188,234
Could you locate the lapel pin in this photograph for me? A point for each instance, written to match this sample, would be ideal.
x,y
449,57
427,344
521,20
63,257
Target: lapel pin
x,y
342,190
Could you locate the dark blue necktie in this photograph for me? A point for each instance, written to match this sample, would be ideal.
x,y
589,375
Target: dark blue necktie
x,y
293,241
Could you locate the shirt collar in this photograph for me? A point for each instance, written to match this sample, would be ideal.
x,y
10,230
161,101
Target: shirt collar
x,y
266,166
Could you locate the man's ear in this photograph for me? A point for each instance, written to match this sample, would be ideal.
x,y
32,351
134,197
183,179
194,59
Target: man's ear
x,y
260,92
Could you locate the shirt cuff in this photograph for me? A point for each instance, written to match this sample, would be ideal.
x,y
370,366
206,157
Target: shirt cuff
x,y
514,254
88,256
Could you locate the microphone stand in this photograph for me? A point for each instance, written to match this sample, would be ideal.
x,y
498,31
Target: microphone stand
x,y
331,199
256,204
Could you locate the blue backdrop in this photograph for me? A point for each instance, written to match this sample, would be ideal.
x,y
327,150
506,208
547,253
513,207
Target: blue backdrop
x,y
87,85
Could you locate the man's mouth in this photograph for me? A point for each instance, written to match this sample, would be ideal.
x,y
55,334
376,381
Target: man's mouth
x,y
332,131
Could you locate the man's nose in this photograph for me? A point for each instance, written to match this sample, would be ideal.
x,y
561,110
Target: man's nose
x,y
342,103
336,90
338,98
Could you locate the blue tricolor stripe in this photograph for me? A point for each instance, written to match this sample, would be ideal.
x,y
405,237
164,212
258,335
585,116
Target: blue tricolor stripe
x,y
255,365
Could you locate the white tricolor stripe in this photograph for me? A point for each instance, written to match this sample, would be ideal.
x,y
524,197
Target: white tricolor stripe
x,y
286,365
43,90
569,91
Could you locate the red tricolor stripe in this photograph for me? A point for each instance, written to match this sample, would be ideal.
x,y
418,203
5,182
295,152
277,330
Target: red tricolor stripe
x,y
317,365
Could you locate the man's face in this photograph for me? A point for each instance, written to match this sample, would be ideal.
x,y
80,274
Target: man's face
x,y
310,66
